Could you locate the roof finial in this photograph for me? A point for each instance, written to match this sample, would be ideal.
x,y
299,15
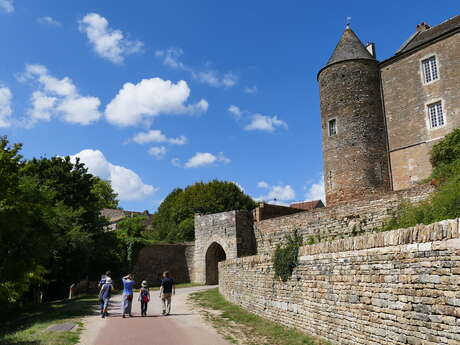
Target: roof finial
x,y
348,22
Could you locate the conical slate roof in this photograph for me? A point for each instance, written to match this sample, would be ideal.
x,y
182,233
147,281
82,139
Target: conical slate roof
x,y
349,48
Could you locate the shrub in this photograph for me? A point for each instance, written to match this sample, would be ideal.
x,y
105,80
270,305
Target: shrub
x,y
286,256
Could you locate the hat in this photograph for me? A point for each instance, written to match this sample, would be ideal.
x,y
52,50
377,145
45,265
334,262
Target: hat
x,y
144,283
108,280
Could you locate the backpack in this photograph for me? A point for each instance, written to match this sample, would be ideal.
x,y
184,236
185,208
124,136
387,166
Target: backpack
x,y
144,296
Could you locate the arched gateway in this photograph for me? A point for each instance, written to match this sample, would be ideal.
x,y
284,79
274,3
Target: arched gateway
x,y
214,255
219,237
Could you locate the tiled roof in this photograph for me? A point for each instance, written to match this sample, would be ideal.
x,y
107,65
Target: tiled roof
x,y
308,205
422,37
349,48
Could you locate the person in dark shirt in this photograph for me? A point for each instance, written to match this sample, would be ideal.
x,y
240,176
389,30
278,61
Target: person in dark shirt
x,y
104,296
167,289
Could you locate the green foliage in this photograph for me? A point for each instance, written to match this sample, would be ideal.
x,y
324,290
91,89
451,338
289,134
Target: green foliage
x,y
174,220
444,203
447,150
285,258
51,231
103,191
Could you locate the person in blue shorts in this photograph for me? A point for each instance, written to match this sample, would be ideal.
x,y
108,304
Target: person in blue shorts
x,y
127,300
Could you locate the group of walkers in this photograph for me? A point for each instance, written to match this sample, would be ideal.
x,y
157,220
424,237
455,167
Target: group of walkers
x,y
167,289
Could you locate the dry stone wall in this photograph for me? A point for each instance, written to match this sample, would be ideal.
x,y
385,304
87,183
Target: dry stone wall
x,y
392,288
344,220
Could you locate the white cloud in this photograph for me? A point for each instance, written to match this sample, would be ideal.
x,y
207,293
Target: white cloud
x,y
263,184
125,182
5,106
316,191
257,122
48,21
7,6
176,162
108,43
261,122
157,136
157,151
171,57
205,158
251,90
150,98
277,194
235,111
58,97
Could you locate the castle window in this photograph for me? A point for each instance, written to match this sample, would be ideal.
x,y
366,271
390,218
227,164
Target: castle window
x,y
332,127
430,69
436,115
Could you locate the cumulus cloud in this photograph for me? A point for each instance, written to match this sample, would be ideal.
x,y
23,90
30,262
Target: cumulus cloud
x,y
7,6
315,191
157,136
251,90
158,152
58,98
48,21
125,182
205,158
278,194
172,57
150,98
261,122
235,111
5,106
108,43
257,122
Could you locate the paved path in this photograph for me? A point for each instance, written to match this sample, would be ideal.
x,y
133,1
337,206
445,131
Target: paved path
x,y
183,326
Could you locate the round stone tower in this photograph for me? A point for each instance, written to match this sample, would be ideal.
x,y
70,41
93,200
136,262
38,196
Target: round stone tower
x,y
353,126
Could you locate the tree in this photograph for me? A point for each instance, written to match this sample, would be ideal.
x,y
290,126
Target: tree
x,y
174,220
102,189
26,217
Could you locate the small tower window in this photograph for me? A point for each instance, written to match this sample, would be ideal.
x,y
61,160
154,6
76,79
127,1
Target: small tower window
x,y
430,69
436,115
332,127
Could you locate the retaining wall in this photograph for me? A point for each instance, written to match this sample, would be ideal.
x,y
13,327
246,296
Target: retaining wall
x,y
396,287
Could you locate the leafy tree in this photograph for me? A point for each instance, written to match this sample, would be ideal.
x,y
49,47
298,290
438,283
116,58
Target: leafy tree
x,y
26,217
174,220
102,189
130,235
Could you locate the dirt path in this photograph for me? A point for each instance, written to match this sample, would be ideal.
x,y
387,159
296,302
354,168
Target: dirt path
x,y
183,327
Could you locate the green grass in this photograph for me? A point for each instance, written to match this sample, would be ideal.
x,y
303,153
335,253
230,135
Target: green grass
x,y
259,330
27,326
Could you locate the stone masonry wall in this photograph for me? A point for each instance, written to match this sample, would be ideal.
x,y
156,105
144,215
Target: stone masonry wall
x,y
153,260
391,288
344,220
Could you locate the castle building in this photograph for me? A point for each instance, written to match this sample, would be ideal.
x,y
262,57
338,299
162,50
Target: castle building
x,y
380,119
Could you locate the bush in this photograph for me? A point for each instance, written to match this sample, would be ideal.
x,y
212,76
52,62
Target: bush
x,y
286,257
447,150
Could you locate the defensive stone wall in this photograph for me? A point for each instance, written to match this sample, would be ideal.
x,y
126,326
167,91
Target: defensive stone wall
x,y
343,220
393,288
153,260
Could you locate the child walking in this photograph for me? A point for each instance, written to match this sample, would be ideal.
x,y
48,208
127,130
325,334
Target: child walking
x,y
144,297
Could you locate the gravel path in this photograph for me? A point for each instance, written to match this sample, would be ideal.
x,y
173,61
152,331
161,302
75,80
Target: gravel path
x,y
183,327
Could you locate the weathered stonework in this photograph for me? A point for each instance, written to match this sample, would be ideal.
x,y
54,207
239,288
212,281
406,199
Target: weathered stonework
x,y
392,288
406,98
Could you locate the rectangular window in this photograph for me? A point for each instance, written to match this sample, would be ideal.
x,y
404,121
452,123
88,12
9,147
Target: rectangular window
x,y
332,127
430,69
436,115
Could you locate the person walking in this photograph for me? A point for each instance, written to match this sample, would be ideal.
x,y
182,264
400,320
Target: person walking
x,y
167,289
104,277
127,299
144,298
104,296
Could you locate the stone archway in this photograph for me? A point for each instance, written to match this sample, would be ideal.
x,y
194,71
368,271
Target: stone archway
x,y
214,255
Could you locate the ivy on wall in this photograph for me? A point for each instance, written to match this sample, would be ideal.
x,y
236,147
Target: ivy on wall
x,y
286,256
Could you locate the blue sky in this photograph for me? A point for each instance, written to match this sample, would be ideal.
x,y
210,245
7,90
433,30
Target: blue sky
x,y
160,94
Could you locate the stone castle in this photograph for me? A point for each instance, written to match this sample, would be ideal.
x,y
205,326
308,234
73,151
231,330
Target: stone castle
x,y
352,285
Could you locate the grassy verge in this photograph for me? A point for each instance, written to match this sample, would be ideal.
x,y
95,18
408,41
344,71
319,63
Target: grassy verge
x,y
28,326
241,327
